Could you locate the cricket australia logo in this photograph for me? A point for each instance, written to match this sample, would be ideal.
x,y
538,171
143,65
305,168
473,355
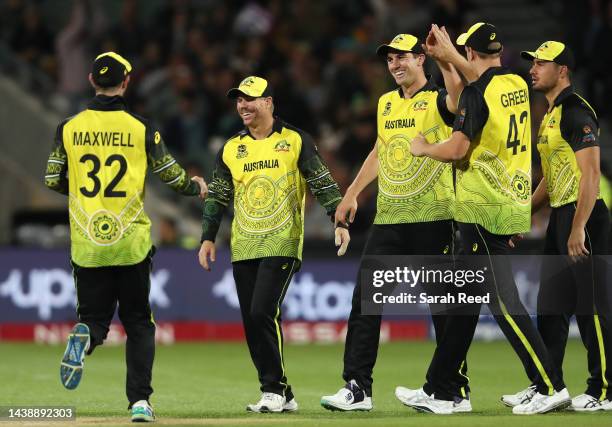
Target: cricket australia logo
x,y
551,123
248,82
387,109
241,152
282,146
398,39
420,106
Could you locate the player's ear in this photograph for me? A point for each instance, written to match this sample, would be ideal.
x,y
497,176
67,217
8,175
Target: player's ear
x,y
125,83
91,82
421,59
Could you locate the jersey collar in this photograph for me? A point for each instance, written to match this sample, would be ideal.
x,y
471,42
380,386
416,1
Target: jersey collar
x,y
563,94
107,103
277,126
429,86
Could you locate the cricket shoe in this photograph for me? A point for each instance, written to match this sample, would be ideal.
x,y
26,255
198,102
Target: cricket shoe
x,y
587,403
269,402
349,398
421,401
290,406
541,403
520,398
142,412
71,368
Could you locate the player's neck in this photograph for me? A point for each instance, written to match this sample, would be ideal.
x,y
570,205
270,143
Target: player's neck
x,y
483,65
409,91
262,129
554,92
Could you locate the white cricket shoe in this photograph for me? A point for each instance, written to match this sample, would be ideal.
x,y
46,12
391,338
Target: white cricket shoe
x,y
520,398
541,404
607,405
587,403
269,402
142,412
290,406
421,401
349,398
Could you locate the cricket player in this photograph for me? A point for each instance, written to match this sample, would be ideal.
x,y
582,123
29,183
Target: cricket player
x,y
491,145
579,226
265,168
414,205
99,160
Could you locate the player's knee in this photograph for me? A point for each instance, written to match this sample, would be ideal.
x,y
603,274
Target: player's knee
x,y
261,316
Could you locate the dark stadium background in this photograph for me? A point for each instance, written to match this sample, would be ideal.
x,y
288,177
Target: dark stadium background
x,y
318,56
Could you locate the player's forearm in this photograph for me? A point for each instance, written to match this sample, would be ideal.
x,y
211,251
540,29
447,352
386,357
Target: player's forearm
x,y
452,149
211,219
587,196
539,199
321,183
173,175
452,83
55,174
367,174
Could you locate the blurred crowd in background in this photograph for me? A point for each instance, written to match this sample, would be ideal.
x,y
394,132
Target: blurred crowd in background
x,y
319,57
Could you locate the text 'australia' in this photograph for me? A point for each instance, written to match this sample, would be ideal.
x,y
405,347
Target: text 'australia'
x,y
400,123
262,164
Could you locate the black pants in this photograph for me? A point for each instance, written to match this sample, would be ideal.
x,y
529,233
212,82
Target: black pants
x,y
98,292
262,284
578,288
508,311
363,334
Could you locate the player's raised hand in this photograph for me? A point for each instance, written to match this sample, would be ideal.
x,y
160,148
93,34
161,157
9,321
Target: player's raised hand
x,y
203,186
418,145
207,250
439,44
343,238
346,210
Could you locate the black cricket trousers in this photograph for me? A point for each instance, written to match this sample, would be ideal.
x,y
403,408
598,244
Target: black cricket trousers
x,y
491,252
363,333
580,289
99,289
261,284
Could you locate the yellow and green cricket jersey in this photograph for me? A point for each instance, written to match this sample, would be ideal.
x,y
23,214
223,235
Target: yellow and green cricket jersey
x,y
412,189
100,159
569,126
494,179
267,179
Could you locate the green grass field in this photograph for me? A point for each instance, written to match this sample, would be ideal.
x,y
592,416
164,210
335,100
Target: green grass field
x,y
210,384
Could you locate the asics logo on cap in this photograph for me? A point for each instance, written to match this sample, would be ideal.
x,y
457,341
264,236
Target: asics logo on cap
x,y
103,70
492,37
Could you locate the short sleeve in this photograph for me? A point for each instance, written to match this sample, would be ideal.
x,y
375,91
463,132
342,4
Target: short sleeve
x,y
472,113
579,128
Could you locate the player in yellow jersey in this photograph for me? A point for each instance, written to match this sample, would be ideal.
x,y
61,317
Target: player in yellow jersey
x,y
99,160
490,144
265,168
579,226
414,206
